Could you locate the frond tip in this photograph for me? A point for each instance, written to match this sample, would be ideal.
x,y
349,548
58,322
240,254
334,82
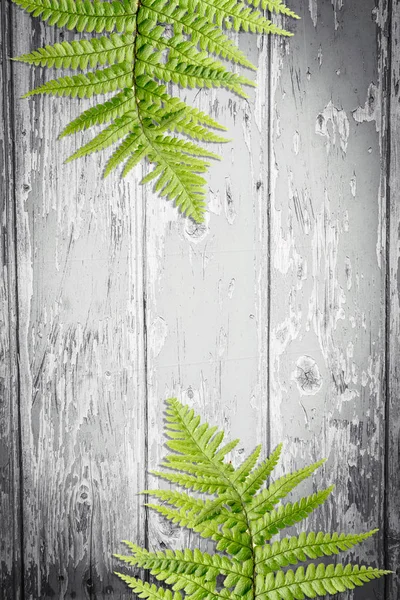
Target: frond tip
x,y
240,518
144,45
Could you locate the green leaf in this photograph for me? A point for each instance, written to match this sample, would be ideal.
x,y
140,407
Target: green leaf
x,y
146,45
84,86
290,551
108,136
244,565
287,515
242,472
258,477
83,53
84,15
317,580
102,113
280,488
145,590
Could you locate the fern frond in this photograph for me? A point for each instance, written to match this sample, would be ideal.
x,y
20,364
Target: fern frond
x,y
102,113
182,517
287,515
180,500
176,180
274,6
236,15
101,81
317,580
83,53
84,15
217,507
210,485
169,565
147,590
256,479
152,92
280,488
150,43
245,566
205,34
133,143
192,438
290,551
242,472
190,75
119,128
235,542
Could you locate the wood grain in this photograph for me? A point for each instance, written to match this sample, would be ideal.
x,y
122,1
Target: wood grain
x,y
81,341
202,315
278,319
328,265
11,534
392,538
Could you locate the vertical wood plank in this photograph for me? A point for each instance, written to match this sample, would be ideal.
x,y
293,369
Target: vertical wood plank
x,y
204,288
10,475
328,265
81,348
392,530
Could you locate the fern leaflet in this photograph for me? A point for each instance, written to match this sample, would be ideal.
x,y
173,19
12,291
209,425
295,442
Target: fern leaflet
x,y
144,45
237,514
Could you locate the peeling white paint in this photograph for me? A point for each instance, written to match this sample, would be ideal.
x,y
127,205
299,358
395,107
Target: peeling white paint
x,y
296,142
313,8
337,6
231,288
333,122
349,272
320,56
230,200
353,185
158,333
372,109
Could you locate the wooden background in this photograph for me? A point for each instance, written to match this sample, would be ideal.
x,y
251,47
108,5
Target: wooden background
x,y
279,319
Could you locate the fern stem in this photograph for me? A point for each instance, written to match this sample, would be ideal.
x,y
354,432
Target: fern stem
x,y
231,483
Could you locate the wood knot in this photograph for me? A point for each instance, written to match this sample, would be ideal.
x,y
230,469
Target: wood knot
x,y
307,376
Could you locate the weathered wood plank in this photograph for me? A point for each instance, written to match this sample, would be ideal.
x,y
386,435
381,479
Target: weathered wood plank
x,y
123,302
81,349
10,476
392,530
206,287
327,352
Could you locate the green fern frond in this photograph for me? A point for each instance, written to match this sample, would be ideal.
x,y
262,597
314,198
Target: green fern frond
x,y
196,483
179,499
102,113
147,44
236,15
290,551
257,478
280,488
287,515
120,127
81,54
146,590
247,466
317,580
274,6
170,564
84,15
101,81
237,514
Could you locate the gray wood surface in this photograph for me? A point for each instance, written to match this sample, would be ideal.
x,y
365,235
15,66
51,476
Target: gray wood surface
x,y
392,412
278,319
11,533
